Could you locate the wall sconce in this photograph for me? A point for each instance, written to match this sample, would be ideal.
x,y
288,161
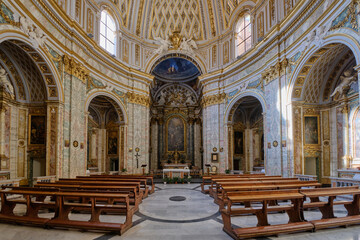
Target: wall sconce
x,y
130,149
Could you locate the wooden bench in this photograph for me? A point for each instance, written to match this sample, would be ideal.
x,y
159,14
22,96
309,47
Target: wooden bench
x,y
134,197
226,189
148,178
63,208
215,187
206,180
263,227
327,207
143,182
105,183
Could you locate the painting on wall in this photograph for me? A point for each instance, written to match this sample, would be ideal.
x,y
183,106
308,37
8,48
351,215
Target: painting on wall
x,y
311,132
37,129
239,142
175,135
112,143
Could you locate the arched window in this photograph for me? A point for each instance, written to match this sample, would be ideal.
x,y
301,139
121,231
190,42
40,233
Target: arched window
x,y
107,32
243,34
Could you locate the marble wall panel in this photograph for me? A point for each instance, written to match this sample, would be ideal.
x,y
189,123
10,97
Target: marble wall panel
x,y
272,129
340,126
77,128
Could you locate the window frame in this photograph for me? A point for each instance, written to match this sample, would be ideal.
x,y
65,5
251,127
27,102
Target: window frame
x,y
245,44
105,32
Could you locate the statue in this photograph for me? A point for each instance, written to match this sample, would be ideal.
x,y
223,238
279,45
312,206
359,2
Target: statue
x,y
189,99
165,44
346,81
5,83
25,25
162,100
188,45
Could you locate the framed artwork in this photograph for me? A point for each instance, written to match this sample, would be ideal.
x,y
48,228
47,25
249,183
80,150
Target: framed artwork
x,y
112,143
175,135
37,129
311,130
214,157
239,142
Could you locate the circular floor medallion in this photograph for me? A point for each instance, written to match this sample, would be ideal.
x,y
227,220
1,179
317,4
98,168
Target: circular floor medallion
x,y
177,198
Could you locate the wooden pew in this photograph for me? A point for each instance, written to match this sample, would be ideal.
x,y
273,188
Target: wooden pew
x,y
215,187
105,183
263,227
327,207
148,178
206,180
134,197
63,209
143,182
232,189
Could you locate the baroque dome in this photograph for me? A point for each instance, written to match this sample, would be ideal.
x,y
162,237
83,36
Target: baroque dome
x,y
198,19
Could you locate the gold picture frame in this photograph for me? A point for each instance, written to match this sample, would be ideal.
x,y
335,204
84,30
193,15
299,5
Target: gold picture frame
x,y
167,134
37,130
311,134
214,157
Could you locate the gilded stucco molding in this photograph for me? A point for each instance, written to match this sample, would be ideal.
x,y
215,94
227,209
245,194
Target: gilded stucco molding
x,y
213,99
350,14
75,68
138,99
274,72
7,15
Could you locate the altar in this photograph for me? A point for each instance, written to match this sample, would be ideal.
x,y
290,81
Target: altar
x,y
175,166
176,172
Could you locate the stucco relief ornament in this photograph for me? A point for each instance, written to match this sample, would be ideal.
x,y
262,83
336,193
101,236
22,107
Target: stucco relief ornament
x,y
5,83
345,83
315,37
188,46
35,33
165,44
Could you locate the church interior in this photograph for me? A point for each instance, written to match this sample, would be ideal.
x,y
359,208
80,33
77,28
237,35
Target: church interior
x,y
183,119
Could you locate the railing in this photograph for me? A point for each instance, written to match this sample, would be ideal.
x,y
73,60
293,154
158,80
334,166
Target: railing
x,y
302,177
44,179
344,182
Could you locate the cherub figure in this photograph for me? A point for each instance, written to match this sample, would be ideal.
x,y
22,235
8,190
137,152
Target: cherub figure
x,y
165,44
188,45
346,81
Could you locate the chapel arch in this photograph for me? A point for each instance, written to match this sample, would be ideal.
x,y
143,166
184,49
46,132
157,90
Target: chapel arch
x,y
246,135
106,135
33,108
320,102
175,93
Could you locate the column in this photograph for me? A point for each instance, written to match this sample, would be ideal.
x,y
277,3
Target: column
x,y
52,138
3,157
191,142
154,144
160,140
197,143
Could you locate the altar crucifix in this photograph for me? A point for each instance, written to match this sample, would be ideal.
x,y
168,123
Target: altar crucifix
x,y
137,155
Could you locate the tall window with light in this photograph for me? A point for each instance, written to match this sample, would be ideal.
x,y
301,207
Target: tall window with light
x,y
243,34
107,32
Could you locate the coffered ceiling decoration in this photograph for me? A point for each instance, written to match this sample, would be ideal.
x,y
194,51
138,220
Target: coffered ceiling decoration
x,y
182,15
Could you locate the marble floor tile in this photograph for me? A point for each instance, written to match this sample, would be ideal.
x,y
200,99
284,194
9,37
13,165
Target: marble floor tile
x,y
196,217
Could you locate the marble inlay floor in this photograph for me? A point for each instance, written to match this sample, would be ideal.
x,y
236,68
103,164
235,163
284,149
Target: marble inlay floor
x,y
196,217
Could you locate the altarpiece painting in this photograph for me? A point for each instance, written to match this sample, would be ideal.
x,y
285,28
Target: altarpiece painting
x,y
311,130
37,129
175,135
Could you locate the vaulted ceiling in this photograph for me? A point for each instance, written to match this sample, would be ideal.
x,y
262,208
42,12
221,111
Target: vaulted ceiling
x,y
197,19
